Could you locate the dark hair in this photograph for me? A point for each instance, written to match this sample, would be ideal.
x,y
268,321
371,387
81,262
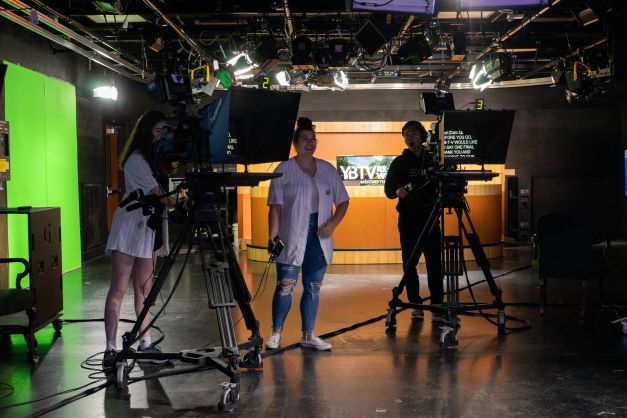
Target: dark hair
x,y
141,139
303,124
415,124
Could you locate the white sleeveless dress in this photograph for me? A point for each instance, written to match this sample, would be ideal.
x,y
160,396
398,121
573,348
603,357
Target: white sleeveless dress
x,y
129,232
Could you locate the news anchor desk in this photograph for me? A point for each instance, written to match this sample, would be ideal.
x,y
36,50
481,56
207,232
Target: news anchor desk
x,y
369,233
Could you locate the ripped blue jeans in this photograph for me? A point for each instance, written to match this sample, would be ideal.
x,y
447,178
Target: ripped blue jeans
x,y
314,266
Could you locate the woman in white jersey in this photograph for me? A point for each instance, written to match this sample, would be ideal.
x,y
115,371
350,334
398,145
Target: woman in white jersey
x,y
135,239
301,213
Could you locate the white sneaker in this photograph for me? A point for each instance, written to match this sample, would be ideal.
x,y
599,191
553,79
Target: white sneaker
x,y
315,343
273,341
417,314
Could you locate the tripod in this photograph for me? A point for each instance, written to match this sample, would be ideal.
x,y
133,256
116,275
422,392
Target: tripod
x,y
452,187
224,282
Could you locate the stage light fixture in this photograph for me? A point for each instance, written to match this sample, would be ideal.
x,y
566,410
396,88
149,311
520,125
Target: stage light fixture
x,y
106,92
298,77
489,69
377,30
157,45
225,78
203,81
339,52
442,84
154,38
302,51
458,50
415,50
266,53
283,78
105,6
340,79
242,66
579,85
558,77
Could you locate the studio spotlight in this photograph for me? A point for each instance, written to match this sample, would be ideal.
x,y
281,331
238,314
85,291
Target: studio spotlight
x,y
106,92
458,48
154,38
442,84
490,69
225,78
266,53
157,45
339,52
378,30
283,78
242,66
108,6
340,79
579,85
303,53
558,77
415,50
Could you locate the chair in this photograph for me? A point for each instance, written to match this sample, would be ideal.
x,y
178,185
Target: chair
x,y
564,250
14,301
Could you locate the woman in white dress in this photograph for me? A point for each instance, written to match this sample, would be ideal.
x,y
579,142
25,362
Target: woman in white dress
x,y
132,243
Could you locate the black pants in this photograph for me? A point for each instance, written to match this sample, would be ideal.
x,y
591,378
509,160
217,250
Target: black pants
x,y
410,227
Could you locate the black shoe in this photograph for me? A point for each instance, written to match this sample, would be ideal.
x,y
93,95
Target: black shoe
x,y
108,360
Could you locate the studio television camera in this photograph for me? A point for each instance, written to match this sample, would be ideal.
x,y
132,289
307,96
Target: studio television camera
x,y
240,126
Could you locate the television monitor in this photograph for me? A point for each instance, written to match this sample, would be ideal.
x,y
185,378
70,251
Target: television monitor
x,y
501,4
475,136
414,7
250,126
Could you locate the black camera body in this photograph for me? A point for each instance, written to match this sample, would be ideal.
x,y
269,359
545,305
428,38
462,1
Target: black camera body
x,y
275,246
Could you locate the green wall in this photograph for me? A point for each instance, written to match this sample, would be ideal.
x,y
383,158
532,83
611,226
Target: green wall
x,y
44,165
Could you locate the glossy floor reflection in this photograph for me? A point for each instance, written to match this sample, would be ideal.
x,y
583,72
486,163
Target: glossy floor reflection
x,y
560,367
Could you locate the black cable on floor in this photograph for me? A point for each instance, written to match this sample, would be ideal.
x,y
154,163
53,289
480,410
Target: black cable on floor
x,y
47,397
9,388
71,399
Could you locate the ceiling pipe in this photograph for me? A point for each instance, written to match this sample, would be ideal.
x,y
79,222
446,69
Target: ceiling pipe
x,y
288,19
68,20
180,32
565,57
46,20
510,33
65,43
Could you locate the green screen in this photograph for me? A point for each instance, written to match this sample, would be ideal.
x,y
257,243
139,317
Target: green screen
x,y
41,112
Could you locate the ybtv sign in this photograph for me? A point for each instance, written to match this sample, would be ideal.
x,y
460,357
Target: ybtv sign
x,y
363,170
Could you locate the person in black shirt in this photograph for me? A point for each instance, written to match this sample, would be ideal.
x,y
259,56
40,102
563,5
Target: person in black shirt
x,y
416,195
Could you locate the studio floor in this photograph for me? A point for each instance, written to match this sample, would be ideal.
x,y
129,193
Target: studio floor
x,y
559,367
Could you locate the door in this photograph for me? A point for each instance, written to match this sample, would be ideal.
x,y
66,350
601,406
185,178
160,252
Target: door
x,y
113,178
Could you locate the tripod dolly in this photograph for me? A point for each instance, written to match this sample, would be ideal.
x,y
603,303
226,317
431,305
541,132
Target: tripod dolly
x,y
452,187
224,282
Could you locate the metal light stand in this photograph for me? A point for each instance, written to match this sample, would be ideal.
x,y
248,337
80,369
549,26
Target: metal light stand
x,y
225,285
451,198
